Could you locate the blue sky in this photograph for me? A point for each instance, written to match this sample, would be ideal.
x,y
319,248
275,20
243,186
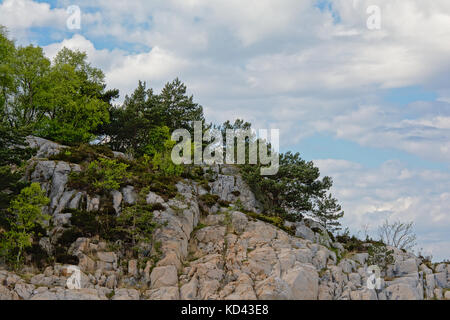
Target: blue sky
x,y
370,107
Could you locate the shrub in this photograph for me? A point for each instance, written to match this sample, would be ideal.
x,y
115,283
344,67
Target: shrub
x,y
83,152
136,222
165,187
351,243
379,255
209,199
101,175
26,217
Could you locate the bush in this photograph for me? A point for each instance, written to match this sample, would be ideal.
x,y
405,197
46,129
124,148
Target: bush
x,y
165,187
136,223
297,188
209,199
83,153
351,243
26,223
100,176
379,255
162,161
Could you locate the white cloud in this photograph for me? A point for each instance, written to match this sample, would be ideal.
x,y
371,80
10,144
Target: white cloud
x,y
369,195
22,14
289,65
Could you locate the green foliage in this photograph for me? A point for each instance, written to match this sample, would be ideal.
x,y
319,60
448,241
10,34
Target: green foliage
x,y
83,153
162,161
100,176
157,140
64,100
31,71
7,53
165,187
199,226
296,190
176,109
209,199
136,223
129,127
26,218
276,221
76,107
138,126
13,146
351,243
380,255
10,186
132,227
328,211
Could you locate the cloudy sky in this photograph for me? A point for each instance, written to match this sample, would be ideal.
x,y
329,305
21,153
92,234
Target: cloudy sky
x,y
370,106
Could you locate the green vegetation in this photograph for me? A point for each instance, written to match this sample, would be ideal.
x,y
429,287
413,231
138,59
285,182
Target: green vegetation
x,y
380,255
135,223
209,199
136,127
26,222
66,100
162,161
62,100
133,227
352,243
83,153
100,176
295,191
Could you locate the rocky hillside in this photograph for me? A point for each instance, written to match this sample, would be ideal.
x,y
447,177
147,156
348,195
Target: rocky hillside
x,y
211,242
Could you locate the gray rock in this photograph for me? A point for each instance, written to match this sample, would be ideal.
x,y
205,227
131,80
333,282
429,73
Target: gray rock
x,y
405,267
93,204
273,288
164,293
109,257
164,277
447,295
347,265
23,290
46,245
129,195
438,293
153,198
304,232
6,294
440,268
133,268
402,291
360,258
126,294
189,290
45,148
430,285
303,281
441,280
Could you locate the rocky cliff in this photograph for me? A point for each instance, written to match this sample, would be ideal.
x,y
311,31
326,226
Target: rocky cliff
x,y
221,250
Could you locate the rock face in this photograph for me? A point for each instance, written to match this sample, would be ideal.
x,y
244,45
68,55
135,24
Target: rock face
x,y
218,254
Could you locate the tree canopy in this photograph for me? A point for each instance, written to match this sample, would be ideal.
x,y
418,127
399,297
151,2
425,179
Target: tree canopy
x,y
67,100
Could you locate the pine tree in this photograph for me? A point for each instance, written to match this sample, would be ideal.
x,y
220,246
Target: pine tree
x,y
328,212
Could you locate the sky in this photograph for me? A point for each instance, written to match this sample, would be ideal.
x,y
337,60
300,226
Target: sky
x,y
368,102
